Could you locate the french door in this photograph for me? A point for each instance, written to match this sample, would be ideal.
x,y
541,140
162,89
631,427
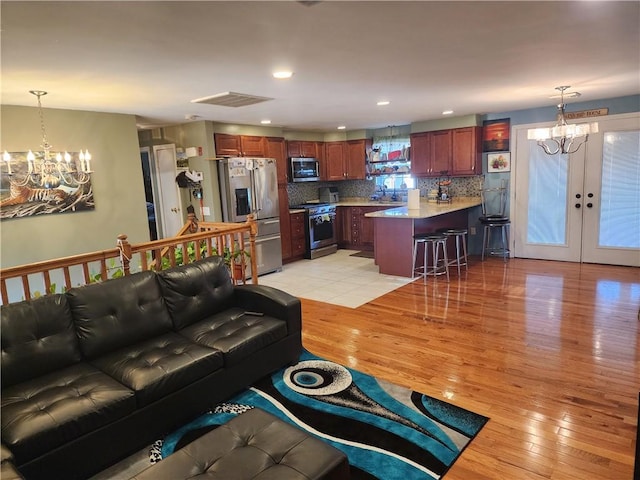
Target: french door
x,y
583,207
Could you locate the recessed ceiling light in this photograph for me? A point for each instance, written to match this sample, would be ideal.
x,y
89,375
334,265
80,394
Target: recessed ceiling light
x,y
447,112
383,102
282,74
265,122
342,127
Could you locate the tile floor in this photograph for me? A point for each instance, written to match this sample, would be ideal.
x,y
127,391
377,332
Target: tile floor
x,y
339,279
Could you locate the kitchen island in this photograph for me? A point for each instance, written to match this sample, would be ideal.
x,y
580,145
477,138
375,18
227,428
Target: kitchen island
x,y
394,229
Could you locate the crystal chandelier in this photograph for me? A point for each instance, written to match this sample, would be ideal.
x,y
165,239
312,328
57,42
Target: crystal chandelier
x,y
48,169
563,138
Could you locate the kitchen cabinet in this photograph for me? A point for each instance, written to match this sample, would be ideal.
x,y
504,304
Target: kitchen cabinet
x,y
440,153
354,229
298,238
467,151
285,222
298,148
455,151
334,154
275,148
420,153
239,145
345,160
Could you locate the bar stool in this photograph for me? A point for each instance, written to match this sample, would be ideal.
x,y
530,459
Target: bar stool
x,y
490,223
460,235
437,241
494,202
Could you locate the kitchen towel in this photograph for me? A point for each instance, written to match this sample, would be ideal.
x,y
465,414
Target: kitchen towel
x,y
413,199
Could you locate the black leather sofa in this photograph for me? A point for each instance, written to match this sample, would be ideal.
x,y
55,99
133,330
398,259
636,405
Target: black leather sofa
x,y
95,374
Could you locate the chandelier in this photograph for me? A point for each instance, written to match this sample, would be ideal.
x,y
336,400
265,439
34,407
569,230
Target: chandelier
x,y
563,138
48,169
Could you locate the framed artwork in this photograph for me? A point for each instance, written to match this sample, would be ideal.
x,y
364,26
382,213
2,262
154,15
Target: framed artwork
x,y
499,162
39,187
495,135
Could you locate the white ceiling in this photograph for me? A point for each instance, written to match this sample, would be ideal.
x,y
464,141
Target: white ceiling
x,y
151,59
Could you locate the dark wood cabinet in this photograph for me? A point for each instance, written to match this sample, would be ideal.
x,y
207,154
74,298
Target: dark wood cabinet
x,y
300,148
343,226
334,154
285,222
456,151
420,151
298,238
354,229
467,151
355,161
274,148
239,145
440,153
345,160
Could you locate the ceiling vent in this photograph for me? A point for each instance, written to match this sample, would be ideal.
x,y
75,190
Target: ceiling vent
x,y
231,99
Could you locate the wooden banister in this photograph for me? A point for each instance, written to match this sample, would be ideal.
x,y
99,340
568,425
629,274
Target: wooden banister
x,y
196,240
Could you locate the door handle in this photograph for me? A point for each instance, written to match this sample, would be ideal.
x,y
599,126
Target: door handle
x,y
578,195
590,195
578,205
589,205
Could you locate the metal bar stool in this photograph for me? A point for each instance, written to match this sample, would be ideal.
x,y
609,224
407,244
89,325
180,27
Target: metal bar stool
x,y
437,241
490,223
494,204
460,236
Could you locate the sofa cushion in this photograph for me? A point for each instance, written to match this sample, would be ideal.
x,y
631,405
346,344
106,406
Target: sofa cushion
x,y
162,365
236,333
44,413
38,337
118,313
196,291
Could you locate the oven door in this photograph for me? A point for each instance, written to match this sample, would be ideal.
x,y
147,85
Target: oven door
x,y
322,230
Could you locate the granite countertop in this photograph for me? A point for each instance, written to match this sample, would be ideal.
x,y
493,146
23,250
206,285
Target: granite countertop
x,y
427,209
357,202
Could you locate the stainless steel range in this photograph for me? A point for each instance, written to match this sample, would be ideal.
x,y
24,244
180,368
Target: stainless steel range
x,y
320,229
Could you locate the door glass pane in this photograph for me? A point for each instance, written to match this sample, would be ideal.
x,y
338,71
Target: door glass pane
x,y
620,192
547,209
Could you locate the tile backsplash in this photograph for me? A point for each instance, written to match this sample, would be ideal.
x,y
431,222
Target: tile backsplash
x,y
304,192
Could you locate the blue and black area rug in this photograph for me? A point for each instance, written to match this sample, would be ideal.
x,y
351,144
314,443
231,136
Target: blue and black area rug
x,y
387,431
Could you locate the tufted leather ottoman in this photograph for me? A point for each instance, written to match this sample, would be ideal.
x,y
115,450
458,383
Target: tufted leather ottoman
x,y
254,445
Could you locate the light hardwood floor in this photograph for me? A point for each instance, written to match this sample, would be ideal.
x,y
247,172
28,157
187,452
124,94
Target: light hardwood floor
x,y
550,351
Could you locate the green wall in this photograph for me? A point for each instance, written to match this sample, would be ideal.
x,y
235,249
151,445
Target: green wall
x,y
117,183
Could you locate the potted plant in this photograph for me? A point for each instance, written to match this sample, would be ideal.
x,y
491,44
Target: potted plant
x,y
236,260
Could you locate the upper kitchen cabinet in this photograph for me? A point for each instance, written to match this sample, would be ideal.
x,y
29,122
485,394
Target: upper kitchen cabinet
x,y
456,151
345,160
356,157
467,151
334,155
298,148
420,152
440,153
275,148
239,145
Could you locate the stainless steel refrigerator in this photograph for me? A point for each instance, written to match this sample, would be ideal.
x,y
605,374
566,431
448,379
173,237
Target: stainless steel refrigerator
x,y
250,185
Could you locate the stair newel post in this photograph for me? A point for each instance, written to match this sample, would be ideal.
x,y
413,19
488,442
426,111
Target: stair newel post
x,y
192,221
125,253
253,224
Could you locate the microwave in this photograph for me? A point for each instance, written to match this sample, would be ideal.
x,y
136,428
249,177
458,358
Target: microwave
x,y
304,169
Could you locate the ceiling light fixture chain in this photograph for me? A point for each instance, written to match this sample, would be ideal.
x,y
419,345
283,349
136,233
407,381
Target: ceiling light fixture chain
x,y
560,139
46,146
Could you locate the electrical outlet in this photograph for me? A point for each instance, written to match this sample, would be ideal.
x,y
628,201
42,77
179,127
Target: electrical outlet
x,y
206,212
472,230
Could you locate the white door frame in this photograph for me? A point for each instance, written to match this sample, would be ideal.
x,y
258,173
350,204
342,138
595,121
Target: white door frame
x,y
518,175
